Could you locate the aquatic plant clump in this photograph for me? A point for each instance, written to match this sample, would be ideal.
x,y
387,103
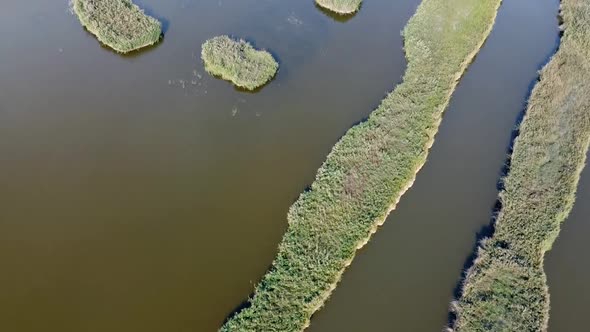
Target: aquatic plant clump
x,y
238,62
369,169
506,288
119,24
343,7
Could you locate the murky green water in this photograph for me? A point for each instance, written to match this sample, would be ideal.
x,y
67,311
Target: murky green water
x,y
140,194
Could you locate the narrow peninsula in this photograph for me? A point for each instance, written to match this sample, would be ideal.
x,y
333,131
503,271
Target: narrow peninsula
x,y
238,62
369,169
119,24
506,288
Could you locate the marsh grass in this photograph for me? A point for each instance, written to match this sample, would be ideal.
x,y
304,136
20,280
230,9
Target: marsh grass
x,y
238,62
368,170
506,288
119,24
341,18
343,7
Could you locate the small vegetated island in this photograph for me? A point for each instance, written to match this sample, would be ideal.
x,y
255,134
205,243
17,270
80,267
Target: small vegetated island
x,y
119,24
342,7
506,288
238,62
369,169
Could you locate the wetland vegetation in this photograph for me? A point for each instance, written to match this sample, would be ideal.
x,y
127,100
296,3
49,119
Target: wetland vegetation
x,y
506,288
342,7
119,24
368,170
238,62
214,158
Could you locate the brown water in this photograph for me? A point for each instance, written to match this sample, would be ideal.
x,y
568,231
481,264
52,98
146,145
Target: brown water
x,y
404,279
568,267
140,194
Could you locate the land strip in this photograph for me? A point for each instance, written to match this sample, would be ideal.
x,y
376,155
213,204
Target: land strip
x,y
506,288
369,169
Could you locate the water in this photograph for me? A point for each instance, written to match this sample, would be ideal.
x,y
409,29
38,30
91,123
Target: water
x,y
140,194
568,266
404,279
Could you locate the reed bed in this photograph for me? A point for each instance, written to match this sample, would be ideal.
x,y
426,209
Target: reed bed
x,y
118,24
369,169
343,7
238,62
506,288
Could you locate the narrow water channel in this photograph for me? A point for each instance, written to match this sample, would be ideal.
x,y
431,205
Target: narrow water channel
x,y
140,194
568,266
404,279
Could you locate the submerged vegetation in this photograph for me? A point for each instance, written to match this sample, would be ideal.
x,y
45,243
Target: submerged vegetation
x,y
369,169
238,62
506,288
119,24
343,7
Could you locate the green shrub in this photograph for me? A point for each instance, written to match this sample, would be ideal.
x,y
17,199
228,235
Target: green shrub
x,y
238,62
344,7
506,289
368,170
119,24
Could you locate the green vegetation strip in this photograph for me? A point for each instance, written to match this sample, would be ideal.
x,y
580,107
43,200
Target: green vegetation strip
x,y
344,7
506,289
119,24
238,62
368,169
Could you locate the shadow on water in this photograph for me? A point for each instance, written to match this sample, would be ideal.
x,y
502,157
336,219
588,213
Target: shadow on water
x,y
341,18
487,231
252,42
136,53
148,10
242,89
246,303
129,55
242,306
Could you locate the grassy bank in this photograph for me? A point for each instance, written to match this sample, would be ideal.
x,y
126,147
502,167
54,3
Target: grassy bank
x,y
238,62
119,24
344,7
369,169
506,289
